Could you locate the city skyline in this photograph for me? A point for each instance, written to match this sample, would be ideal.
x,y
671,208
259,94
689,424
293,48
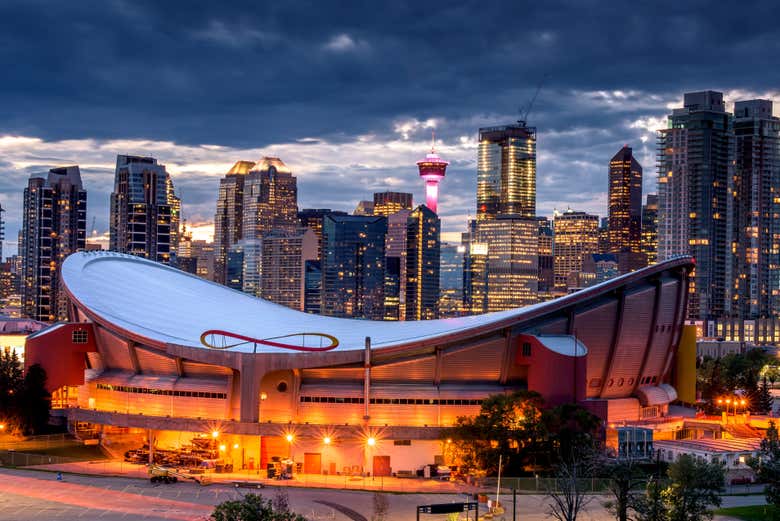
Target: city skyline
x,y
197,126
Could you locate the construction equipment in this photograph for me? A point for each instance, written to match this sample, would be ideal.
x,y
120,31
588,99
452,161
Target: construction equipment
x,y
525,111
160,474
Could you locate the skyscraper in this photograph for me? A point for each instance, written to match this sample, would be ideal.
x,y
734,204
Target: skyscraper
x,y
284,257
432,170
144,210
650,228
396,248
312,218
506,172
270,199
388,203
54,226
423,252
451,280
229,218
546,283
757,205
695,199
2,232
353,256
504,264
625,209
575,235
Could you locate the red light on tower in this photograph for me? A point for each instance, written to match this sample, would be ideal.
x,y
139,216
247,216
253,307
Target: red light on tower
x,y
432,169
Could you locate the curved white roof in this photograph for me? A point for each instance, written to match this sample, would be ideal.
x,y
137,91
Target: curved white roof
x,y
165,305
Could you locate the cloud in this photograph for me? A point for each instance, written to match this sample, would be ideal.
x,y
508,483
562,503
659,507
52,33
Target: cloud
x,y
233,35
343,42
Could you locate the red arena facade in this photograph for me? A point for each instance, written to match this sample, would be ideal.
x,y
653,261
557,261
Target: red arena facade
x,y
163,354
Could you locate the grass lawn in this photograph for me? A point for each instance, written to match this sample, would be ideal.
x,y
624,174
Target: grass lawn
x,y
751,513
77,452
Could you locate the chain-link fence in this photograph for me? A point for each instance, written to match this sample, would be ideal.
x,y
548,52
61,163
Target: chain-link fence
x,y
11,458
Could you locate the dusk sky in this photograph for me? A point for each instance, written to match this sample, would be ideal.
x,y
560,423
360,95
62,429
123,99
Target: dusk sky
x,y
347,95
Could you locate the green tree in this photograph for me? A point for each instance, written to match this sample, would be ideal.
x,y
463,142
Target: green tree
x,y
764,400
694,488
767,465
252,508
11,380
624,477
572,431
651,506
507,425
34,401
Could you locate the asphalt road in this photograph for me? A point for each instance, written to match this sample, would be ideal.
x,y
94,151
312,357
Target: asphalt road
x,y
28,494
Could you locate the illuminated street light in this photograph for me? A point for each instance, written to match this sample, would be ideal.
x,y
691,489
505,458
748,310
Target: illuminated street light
x,y
371,441
289,438
326,440
222,448
235,445
215,434
2,426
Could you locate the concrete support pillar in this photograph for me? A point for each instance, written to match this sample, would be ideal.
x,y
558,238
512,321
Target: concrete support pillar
x,y
251,375
151,446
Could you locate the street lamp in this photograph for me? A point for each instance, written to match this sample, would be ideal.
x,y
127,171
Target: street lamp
x,y
371,441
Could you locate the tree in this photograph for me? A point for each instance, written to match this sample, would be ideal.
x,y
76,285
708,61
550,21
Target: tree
x,y
767,465
624,476
568,492
252,508
651,506
11,381
764,400
572,431
35,401
507,425
695,487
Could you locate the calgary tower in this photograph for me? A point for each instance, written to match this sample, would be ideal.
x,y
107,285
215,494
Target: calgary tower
x,y
432,169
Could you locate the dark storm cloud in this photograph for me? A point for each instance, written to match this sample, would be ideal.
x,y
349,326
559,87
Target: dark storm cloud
x,y
251,75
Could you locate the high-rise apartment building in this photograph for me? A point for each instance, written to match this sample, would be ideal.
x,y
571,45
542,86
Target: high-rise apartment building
x,y
284,260
695,199
364,209
388,203
506,172
229,218
234,266
451,280
757,210
252,267
575,235
270,199
54,226
144,218
650,228
504,264
546,285
625,209
353,257
396,248
423,257
312,218
2,232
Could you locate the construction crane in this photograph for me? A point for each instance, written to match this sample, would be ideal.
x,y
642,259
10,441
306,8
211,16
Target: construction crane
x,y
524,112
